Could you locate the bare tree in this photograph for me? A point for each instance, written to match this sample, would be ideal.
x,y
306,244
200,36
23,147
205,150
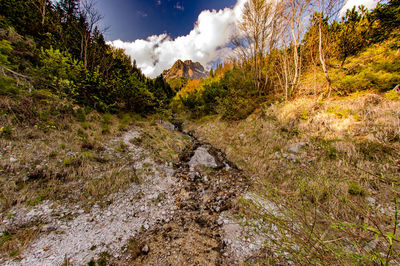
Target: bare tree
x,y
296,15
328,9
259,30
90,17
41,5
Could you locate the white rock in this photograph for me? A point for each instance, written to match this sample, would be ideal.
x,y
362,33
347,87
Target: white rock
x,y
13,160
202,157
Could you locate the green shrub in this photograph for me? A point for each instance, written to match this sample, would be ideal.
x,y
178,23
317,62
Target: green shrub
x,y
107,118
356,189
80,115
7,87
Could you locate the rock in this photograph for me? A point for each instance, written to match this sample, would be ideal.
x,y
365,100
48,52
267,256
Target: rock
x,y
146,226
202,157
48,228
146,249
293,157
241,136
371,245
296,148
13,160
167,125
371,200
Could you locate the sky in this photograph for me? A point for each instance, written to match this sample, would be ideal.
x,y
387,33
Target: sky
x,y
156,33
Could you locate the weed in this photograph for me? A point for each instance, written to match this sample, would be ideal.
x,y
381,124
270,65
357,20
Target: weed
x,y
63,145
86,126
356,189
107,118
105,129
37,200
6,132
80,115
304,115
82,135
122,147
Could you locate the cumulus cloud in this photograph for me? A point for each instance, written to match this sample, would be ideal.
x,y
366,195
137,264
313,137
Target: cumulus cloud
x,y
206,43
370,4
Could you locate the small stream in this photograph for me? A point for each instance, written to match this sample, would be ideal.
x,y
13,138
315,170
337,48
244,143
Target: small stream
x,y
195,235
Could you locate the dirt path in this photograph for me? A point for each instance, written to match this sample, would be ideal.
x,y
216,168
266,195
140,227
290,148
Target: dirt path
x,y
178,215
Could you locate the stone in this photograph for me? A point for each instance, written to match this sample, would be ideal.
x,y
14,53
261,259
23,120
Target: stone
x,y
47,228
202,157
146,249
296,148
146,226
241,136
167,125
13,160
371,200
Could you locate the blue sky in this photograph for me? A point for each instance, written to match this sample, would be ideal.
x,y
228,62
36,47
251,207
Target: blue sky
x,y
137,19
156,33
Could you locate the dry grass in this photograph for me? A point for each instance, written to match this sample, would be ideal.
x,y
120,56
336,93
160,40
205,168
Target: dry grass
x,y
351,160
75,157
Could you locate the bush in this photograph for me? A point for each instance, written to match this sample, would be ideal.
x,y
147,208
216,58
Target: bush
x,y
392,95
7,86
80,115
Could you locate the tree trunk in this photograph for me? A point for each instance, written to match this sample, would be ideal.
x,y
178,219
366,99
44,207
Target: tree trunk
x,y
322,59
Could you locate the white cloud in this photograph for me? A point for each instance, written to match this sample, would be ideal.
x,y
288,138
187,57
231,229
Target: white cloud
x,y
206,43
370,4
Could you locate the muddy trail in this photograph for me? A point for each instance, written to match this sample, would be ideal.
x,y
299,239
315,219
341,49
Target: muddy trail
x,y
194,235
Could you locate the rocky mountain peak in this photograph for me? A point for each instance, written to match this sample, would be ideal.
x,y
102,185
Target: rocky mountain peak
x,y
187,69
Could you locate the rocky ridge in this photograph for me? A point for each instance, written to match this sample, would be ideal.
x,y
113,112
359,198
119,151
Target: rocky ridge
x,y
186,69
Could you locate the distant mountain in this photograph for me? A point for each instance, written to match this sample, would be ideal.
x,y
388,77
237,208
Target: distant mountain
x,y
187,69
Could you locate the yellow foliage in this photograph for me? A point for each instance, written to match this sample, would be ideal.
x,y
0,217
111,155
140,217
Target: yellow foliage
x,y
191,86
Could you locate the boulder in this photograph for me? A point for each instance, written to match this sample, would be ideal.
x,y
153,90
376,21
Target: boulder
x,y
167,125
202,157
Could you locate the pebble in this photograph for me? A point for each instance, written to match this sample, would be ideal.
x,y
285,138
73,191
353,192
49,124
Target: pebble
x,y
146,226
146,249
13,160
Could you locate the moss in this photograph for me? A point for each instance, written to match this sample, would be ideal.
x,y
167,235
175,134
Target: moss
x,y
340,112
356,189
304,115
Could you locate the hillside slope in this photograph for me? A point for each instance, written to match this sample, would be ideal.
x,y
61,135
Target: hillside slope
x,y
327,173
